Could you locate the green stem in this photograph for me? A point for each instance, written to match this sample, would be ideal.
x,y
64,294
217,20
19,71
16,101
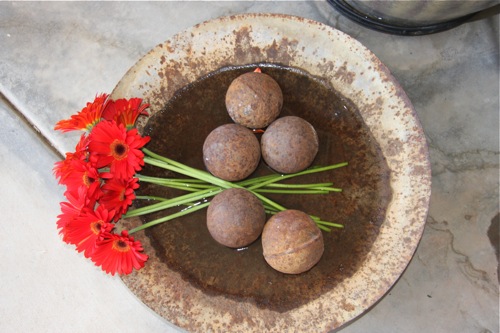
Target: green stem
x,y
201,188
170,217
331,224
173,202
323,227
328,189
252,181
174,181
274,185
311,191
150,197
186,186
291,175
185,170
268,201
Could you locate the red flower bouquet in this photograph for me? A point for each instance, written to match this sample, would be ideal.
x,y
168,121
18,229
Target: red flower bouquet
x,y
100,183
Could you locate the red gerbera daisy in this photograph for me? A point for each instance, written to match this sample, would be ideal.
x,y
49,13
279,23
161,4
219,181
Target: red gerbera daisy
x,y
119,253
83,174
86,118
118,194
84,230
76,205
125,111
63,168
112,145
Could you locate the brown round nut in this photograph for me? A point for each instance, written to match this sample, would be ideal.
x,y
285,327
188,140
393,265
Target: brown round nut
x,y
231,152
289,144
254,100
292,243
235,217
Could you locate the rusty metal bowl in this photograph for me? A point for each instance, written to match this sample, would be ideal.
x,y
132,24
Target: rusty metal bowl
x,y
357,74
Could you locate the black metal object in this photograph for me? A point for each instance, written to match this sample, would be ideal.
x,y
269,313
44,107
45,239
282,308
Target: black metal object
x,y
380,25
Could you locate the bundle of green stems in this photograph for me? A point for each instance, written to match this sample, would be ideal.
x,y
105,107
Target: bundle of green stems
x,y
201,186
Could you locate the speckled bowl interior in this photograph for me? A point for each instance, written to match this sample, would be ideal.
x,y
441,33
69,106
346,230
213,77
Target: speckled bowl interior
x,y
357,74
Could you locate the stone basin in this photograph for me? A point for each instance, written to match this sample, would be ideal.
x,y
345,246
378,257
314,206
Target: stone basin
x,y
356,74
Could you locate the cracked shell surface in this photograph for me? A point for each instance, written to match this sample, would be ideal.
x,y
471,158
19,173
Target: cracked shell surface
x,y
353,71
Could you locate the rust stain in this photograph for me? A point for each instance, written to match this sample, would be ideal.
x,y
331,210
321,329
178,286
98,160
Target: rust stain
x,y
344,75
245,51
282,53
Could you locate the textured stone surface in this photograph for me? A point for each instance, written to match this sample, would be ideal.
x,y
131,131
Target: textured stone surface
x,y
56,56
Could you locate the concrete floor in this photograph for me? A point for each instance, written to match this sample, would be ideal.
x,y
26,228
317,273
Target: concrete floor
x,y
54,56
